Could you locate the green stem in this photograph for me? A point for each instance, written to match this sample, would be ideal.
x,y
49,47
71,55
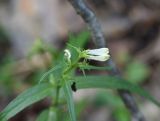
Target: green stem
x,y
57,96
56,102
72,66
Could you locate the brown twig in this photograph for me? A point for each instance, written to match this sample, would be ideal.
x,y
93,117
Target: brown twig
x,y
93,24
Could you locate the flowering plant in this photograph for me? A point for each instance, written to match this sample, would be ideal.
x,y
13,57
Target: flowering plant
x,y
62,79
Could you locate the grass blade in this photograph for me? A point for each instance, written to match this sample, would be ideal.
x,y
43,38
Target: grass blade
x,y
25,99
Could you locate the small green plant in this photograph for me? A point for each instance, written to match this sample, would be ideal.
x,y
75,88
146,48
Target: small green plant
x,y
61,79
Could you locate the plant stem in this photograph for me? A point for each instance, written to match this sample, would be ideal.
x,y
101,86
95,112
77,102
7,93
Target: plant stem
x,y
72,66
57,96
56,102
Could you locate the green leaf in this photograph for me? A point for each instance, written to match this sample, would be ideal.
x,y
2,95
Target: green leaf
x,y
69,96
112,83
25,99
90,67
56,71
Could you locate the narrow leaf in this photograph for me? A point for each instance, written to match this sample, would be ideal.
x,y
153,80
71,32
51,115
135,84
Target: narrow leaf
x,y
90,67
52,70
70,102
25,99
112,83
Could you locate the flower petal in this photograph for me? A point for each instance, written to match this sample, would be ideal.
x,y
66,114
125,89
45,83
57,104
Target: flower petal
x,y
98,52
99,58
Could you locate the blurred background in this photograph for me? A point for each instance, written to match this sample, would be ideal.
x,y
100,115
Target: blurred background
x,y
131,28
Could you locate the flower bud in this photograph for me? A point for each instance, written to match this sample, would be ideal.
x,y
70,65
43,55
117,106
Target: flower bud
x,y
67,55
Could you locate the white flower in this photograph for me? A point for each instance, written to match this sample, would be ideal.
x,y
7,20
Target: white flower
x,y
67,54
101,54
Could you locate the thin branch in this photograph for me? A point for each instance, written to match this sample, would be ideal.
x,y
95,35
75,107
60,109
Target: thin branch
x,y
93,24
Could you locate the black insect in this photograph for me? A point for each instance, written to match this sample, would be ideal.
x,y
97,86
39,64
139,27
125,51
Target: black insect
x,y
73,86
